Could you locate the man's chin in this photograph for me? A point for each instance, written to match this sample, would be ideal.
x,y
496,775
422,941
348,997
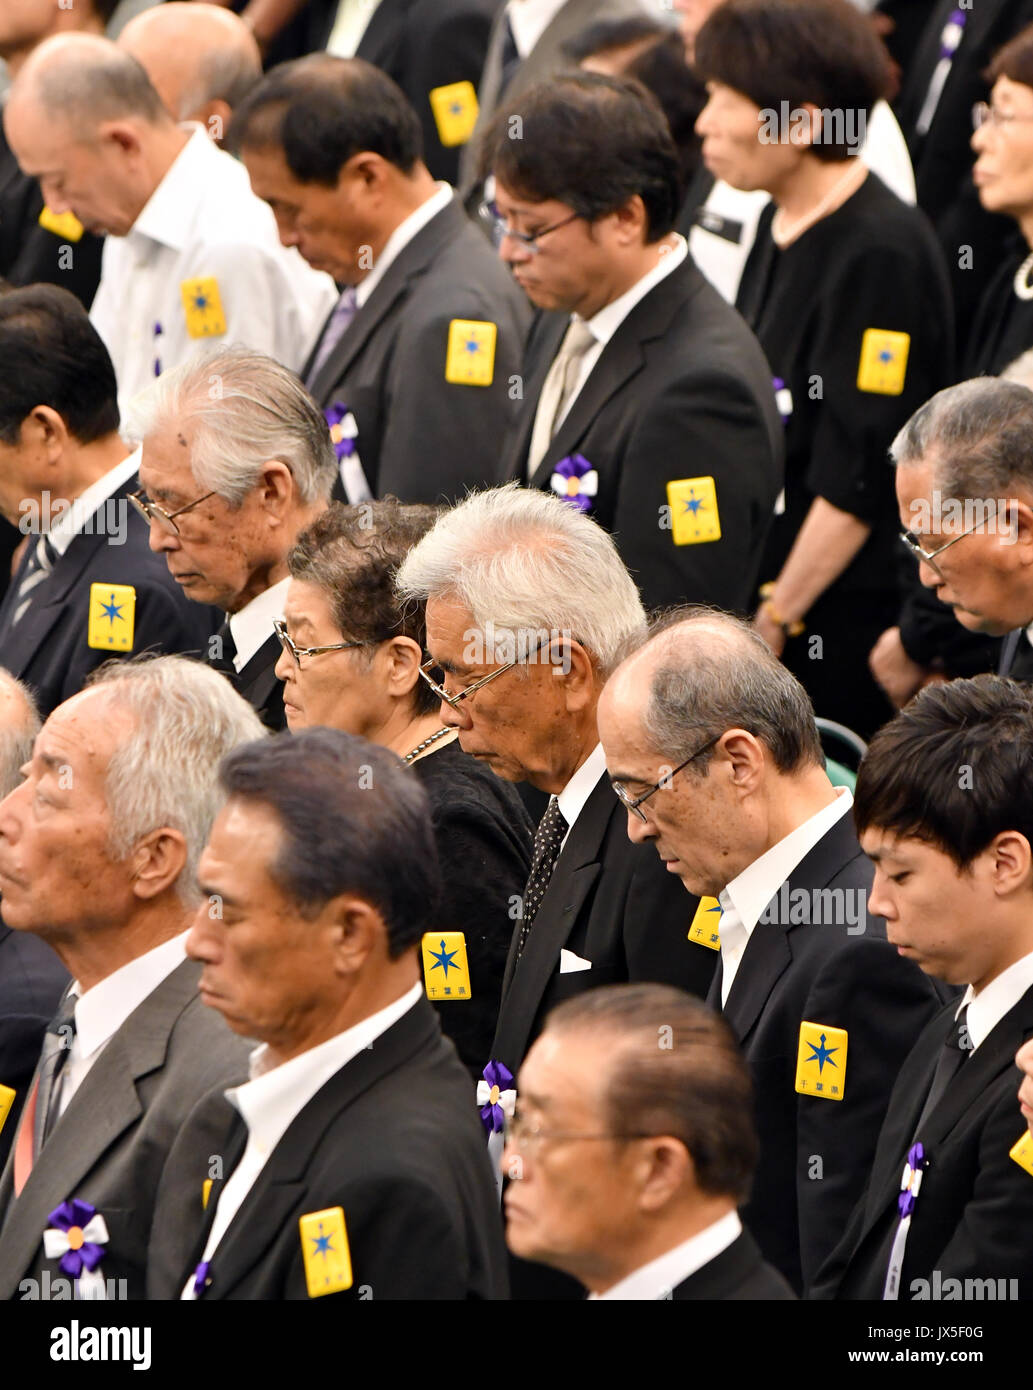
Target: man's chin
x,y
980,622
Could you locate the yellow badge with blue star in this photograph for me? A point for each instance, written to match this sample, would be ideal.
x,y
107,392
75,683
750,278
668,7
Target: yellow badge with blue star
x,y
1022,1152
706,921
821,1061
694,514
445,971
6,1101
112,617
324,1249
202,306
206,1192
470,360
63,224
455,112
882,369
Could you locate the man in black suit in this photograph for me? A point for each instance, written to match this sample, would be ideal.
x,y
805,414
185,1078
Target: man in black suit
x,y
354,1163
87,586
713,749
416,368
32,978
647,400
236,463
943,810
646,1209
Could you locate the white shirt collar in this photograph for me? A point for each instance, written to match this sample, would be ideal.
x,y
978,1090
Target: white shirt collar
x,y
74,518
605,323
988,1007
101,1010
253,625
271,1100
167,216
400,239
752,890
529,20
656,1279
581,786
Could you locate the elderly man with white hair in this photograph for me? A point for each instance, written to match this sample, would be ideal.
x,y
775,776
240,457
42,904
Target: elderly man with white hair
x,y
99,847
237,461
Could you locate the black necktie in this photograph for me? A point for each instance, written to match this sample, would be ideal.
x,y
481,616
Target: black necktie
x,y
222,649
510,56
57,1043
547,840
956,1048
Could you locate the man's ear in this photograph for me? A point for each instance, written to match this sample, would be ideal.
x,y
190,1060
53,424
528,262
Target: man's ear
x,y
44,429
121,134
572,664
158,860
357,930
662,1170
276,489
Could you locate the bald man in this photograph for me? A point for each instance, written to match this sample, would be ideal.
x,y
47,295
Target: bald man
x,y
192,255
201,59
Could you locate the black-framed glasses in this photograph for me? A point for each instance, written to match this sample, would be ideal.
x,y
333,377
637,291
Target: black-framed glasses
x,y
150,511
633,804
280,628
499,228
529,1135
928,557
434,675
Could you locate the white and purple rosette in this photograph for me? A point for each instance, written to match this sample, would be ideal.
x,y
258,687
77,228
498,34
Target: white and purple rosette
x,y
496,1095
576,481
343,430
76,1236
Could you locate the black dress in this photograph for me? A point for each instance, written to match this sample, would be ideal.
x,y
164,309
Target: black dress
x,y
484,839
873,264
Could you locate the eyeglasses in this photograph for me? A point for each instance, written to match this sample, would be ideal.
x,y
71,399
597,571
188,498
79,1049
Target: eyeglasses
x,y
499,228
985,114
150,511
528,1136
435,677
280,628
633,804
928,557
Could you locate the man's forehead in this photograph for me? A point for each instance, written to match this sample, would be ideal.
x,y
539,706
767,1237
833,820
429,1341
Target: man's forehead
x,y
84,730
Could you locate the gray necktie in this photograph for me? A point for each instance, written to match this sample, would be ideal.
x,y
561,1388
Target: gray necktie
x,y
557,390
57,1043
41,562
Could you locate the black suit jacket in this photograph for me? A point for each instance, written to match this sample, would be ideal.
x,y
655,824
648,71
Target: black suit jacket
x,y
815,1153
32,980
739,1272
48,648
974,1212
393,1139
682,390
421,437
259,684
610,902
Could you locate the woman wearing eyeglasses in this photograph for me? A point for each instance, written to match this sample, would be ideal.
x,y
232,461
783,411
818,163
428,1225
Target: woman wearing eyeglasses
x,y
351,660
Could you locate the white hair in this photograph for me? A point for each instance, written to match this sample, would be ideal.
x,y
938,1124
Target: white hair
x,y
18,730
187,717
246,410
526,561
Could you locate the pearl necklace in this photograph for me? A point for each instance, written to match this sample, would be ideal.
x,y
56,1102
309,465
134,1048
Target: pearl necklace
x,y
421,748
1021,284
783,235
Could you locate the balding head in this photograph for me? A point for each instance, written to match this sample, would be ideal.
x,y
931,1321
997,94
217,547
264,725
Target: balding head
x,y
19,725
202,59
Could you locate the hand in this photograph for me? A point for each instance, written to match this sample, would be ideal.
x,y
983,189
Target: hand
x,y
773,633
893,669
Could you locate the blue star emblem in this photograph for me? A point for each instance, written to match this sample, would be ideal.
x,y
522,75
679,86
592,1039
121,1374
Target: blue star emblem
x,y
472,345
112,610
886,355
822,1054
200,302
693,504
444,959
456,109
322,1244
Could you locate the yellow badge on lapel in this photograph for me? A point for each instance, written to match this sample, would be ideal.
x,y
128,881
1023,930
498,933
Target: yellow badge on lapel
x,y
206,1192
202,306
821,1061
6,1101
63,224
112,615
455,112
694,514
883,365
324,1248
470,360
445,970
705,923
1022,1152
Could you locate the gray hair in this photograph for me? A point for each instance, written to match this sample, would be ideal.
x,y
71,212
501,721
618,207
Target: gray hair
x,y
187,718
980,433
18,730
526,561
223,74
246,410
87,80
713,673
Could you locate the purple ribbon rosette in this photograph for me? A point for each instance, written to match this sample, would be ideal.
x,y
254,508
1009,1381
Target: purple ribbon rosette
x,y
911,1180
76,1236
343,429
496,1095
576,481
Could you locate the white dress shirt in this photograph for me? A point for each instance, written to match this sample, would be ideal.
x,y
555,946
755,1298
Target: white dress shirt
x,y
89,503
529,20
748,894
204,221
253,625
400,239
574,795
656,1279
101,1010
988,1007
273,1099
350,24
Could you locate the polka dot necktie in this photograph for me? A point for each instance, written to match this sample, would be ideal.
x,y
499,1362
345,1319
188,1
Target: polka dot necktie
x,y
547,840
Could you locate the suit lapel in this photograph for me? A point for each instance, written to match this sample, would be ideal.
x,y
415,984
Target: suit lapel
x,y
550,336
380,37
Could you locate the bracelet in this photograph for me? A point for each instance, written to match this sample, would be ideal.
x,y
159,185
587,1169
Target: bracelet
x,y
790,629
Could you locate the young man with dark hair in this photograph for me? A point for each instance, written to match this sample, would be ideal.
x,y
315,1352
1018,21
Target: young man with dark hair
x,y
942,807
647,402
415,367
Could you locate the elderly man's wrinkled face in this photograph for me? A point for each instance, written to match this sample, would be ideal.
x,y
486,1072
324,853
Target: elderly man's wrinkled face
x,y
221,554
56,872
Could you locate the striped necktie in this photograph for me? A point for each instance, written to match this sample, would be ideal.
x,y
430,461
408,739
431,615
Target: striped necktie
x,y
41,562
